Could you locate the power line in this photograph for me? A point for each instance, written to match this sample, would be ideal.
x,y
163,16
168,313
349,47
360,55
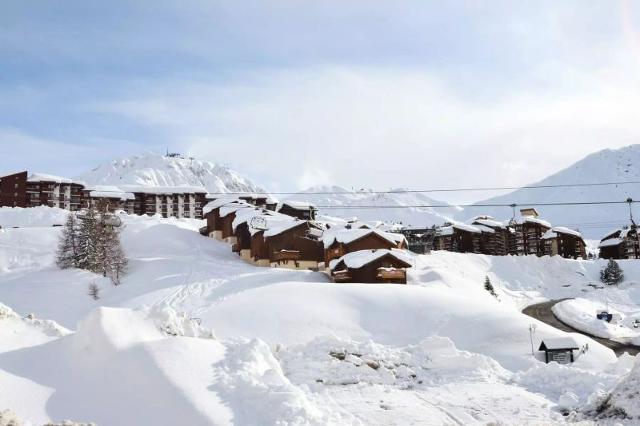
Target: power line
x,y
417,191
449,206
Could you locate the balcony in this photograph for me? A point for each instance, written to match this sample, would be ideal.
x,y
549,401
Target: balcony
x,y
392,274
343,276
235,248
286,255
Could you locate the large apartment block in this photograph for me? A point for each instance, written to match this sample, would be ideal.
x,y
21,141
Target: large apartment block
x,y
24,190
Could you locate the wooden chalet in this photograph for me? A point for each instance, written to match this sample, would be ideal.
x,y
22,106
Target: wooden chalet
x,y
559,349
495,236
298,209
211,214
458,237
621,244
528,234
419,240
339,242
295,244
561,241
371,266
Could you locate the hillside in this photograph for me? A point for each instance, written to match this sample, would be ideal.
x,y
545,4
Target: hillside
x,y
195,335
159,170
593,221
342,197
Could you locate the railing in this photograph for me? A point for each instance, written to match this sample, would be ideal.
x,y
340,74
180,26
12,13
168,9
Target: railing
x,y
286,255
392,274
342,276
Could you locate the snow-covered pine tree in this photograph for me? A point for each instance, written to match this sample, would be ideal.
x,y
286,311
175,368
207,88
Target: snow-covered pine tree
x,y
489,287
612,274
112,261
68,253
88,241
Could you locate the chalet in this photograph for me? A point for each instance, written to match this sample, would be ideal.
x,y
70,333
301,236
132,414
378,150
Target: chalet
x,y
247,222
371,266
339,242
458,237
559,349
259,200
528,234
495,236
299,209
211,214
419,240
621,244
561,241
227,214
294,244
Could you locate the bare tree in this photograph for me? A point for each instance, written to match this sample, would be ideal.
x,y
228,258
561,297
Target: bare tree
x,y
94,291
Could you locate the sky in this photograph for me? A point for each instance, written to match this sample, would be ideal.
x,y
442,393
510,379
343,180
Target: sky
x,y
365,94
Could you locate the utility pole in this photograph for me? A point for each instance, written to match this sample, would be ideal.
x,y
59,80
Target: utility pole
x,y
532,332
630,202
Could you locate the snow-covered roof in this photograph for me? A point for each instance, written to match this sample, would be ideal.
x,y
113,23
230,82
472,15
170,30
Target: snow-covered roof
x,y
358,259
531,219
563,230
108,191
465,227
491,223
165,190
485,229
298,205
272,220
219,202
614,233
42,177
346,236
234,207
283,226
610,242
552,343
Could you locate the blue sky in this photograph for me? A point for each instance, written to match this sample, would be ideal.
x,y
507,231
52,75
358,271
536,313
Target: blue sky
x,y
304,93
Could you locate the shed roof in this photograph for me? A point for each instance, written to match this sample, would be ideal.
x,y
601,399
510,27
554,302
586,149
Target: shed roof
x,y
358,259
558,343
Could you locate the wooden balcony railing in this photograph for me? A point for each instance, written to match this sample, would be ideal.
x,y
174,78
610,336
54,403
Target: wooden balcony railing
x,y
285,255
392,274
342,276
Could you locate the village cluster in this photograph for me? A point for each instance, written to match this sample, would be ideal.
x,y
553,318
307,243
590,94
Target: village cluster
x,y
289,235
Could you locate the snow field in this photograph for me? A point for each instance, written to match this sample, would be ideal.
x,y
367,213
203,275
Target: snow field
x,y
196,336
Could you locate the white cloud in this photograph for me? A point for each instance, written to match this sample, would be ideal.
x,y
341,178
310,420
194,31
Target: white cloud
x,y
383,128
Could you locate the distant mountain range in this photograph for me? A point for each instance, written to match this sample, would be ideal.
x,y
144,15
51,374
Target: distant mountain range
x,y
340,202
621,165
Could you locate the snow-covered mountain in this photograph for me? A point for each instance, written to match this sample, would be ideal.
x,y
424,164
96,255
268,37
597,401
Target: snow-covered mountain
x,y
159,170
610,165
336,197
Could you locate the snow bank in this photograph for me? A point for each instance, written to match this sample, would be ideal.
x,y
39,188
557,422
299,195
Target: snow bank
x,y
135,374
624,401
40,216
19,332
581,313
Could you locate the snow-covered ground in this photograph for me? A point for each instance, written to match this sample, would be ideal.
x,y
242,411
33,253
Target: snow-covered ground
x,y
194,335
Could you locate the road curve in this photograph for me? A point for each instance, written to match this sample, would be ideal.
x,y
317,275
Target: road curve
x,y
543,312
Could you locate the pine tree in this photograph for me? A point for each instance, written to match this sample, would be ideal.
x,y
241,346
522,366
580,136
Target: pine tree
x,y
612,274
68,253
489,287
94,291
113,261
88,258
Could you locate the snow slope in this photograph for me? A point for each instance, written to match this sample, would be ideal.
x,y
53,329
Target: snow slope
x,y
158,170
351,199
609,165
287,347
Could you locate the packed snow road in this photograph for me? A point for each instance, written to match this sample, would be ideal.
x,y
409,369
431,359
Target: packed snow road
x,y
544,312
